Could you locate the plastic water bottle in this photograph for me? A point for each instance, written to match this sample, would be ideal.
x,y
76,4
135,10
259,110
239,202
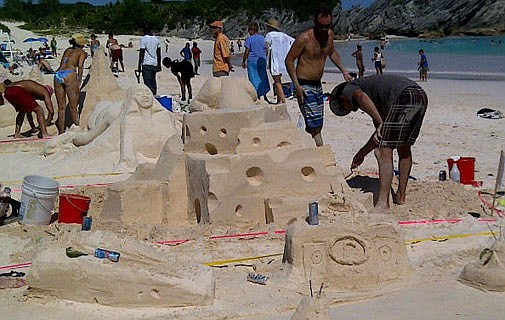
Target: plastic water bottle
x,y
454,173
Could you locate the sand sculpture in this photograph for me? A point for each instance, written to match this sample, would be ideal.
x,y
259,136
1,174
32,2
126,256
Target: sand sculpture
x,y
137,127
249,167
312,309
142,277
223,93
343,254
102,86
489,272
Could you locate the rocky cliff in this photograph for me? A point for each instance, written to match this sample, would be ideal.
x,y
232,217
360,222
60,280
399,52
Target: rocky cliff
x,y
395,17
423,17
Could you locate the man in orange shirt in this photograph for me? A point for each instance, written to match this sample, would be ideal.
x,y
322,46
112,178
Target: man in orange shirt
x,y
222,65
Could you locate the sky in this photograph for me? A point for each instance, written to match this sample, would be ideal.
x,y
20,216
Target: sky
x,y
346,4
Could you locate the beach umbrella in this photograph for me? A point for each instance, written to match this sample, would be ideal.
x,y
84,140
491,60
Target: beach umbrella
x,y
35,40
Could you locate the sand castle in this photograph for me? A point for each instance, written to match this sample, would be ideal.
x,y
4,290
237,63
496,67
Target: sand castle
x,y
276,172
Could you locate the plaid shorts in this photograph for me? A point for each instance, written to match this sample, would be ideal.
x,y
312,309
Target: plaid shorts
x,y
404,119
312,107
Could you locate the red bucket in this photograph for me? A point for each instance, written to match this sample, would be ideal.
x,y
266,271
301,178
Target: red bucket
x,y
73,208
466,167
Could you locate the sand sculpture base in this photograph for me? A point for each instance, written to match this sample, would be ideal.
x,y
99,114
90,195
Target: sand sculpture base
x,y
489,272
144,275
311,309
345,256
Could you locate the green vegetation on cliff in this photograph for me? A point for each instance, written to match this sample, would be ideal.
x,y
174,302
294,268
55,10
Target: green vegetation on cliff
x,y
128,16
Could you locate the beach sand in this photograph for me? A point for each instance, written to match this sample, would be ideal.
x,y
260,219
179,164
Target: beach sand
x,y
451,128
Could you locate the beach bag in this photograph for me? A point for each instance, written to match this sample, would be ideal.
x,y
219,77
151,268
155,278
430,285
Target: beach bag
x,y
383,62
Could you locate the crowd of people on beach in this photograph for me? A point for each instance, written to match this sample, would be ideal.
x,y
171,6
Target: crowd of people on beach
x,y
395,104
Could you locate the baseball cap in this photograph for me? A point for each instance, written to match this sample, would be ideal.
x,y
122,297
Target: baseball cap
x,y
216,24
335,106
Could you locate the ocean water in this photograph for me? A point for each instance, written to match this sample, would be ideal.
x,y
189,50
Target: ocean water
x,y
464,58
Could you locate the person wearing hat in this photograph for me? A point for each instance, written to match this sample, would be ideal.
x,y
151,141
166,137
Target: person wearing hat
x,y
221,65
67,80
278,44
149,62
397,106
22,95
310,49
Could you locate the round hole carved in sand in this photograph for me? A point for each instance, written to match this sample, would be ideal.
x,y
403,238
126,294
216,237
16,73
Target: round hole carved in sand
x,y
211,201
238,210
254,176
203,130
223,132
283,144
308,174
256,141
211,149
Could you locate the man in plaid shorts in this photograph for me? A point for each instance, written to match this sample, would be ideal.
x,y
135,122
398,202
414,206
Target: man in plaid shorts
x,y
397,106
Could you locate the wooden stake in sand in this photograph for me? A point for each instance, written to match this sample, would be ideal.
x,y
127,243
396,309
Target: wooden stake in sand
x,y
499,180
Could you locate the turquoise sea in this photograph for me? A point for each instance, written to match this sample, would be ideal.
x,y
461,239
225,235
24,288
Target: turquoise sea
x,y
465,58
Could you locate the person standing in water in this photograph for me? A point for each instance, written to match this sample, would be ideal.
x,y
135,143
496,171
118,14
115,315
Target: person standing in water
x,y
423,66
358,54
67,80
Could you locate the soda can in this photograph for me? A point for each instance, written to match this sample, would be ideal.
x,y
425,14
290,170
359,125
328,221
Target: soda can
x,y
107,254
86,224
442,175
313,214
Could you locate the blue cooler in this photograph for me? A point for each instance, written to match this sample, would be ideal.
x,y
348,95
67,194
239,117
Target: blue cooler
x,y
165,101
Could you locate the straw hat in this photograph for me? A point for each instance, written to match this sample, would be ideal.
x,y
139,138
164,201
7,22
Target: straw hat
x,y
273,23
80,39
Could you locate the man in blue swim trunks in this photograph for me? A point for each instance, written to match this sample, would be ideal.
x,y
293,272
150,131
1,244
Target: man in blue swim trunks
x,y
311,48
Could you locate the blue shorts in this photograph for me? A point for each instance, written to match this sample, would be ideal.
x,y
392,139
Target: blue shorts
x,y
313,103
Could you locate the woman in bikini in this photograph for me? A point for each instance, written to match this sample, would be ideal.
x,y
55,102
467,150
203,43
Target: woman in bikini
x,y
66,81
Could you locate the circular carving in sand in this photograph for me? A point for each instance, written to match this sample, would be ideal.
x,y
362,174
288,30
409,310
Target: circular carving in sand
x,y
211,149
385,252
256,141
254,176
203,130
223,132
308,174
317,257
238,210
349,251
211,201
283,144
198,211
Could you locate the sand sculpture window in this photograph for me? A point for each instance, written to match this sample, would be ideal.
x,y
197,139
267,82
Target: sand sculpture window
x,y
254,176
308,174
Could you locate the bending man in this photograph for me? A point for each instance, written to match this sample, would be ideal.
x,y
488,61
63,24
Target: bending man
x,y
397,106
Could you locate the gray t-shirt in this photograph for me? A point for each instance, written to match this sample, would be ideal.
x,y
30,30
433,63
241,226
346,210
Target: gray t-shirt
x,y
382,89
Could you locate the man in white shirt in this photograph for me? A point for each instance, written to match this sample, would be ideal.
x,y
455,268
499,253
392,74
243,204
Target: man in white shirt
x,y
149,58
278,44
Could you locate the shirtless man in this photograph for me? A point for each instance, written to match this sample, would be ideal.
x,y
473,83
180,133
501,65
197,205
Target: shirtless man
x,y
311,48
94,44
22,95
66,81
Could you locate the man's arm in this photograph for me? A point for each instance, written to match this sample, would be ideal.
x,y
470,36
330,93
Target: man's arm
x,y
49,107
158,55
294,53
366,104
335,58
141,59
244,59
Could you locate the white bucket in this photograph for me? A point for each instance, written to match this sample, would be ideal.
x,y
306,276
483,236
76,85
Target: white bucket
x,y
37,199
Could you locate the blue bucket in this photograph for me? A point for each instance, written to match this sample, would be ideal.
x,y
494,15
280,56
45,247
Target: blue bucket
x,y
165,101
